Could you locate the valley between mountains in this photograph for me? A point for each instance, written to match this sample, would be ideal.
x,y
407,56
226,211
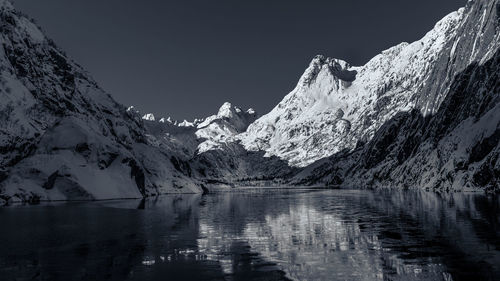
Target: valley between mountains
x,y
419,115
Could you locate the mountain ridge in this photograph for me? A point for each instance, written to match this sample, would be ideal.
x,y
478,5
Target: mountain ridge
x,y
387,78
455,149
61,136
422,114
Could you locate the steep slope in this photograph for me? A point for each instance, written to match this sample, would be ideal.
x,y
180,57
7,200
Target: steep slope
x,y
424,114
219,129
209,148
336,106
456,148
61,136
201,135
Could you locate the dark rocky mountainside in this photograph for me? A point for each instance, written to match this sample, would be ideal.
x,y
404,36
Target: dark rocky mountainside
x,y
61,136
419,115
456,148
336,106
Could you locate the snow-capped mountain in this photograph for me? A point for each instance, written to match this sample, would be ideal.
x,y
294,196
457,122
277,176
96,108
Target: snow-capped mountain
x,y
210,149
424,114
457,148
449,140
336,106
200,135
61,136
219,129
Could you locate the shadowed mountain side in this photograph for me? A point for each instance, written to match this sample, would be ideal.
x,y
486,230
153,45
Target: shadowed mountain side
x,y
61,136
329,111
419,115
207,150
234,165
456,148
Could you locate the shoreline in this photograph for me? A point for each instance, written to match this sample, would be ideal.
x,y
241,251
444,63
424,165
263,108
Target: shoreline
x,y
228,189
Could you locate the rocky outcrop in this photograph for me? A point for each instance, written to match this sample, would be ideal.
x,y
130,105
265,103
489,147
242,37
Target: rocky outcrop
x,y
424,114
61,136
456,148
213,153
336,106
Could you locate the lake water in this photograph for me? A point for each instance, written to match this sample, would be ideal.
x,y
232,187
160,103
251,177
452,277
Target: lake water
x,y
257,235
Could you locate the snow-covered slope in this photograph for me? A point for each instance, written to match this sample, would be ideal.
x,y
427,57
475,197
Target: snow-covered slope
x,y
200,135
450,139
457,148
336,106
219,129
424,114
61,136
209,148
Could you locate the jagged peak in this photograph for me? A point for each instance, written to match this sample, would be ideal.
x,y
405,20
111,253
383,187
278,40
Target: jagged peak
x,y
226,110
185,123
166,120
320,60
149,117
133,112
20,22
337,68
6,4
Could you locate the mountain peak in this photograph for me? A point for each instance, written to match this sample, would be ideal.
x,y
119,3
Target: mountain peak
x,y
337,67
320,60
149,117
226,110
5,4
335,104
251,111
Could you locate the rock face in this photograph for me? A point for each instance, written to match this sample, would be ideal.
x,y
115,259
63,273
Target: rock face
x,y
210,148
456,148
220,129
449,140
61,136
201,135
336,106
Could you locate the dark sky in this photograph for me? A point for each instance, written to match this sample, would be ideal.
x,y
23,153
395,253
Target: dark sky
x,y
184,58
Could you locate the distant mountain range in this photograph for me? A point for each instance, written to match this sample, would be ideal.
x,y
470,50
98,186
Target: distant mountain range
x,y
420,115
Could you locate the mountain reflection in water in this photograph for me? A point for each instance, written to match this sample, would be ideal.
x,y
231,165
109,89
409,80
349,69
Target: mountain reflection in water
x,y
257,235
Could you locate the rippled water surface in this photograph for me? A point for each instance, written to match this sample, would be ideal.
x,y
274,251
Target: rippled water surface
x,y
257,235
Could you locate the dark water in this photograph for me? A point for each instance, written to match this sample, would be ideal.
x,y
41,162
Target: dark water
x,y
259,235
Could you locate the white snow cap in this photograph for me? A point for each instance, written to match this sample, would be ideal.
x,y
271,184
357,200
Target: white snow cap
x,y
225,110
166,120
149,117
185,123
317,63
132,110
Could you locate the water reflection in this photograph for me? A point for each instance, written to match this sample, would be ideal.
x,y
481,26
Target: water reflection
x,y
257,235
